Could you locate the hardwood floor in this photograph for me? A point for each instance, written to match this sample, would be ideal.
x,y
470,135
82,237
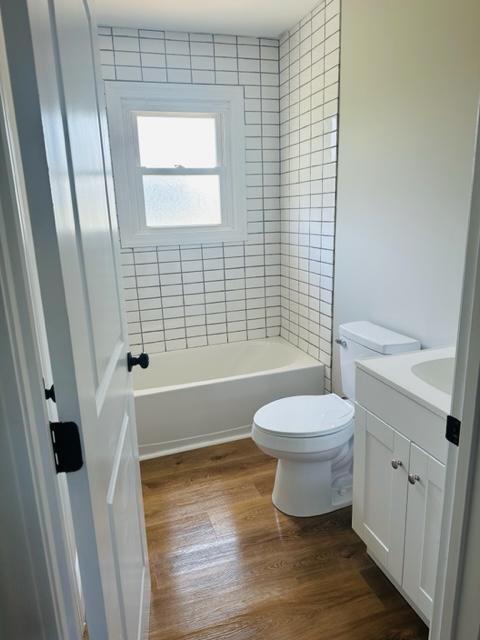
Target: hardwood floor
x,y
226,565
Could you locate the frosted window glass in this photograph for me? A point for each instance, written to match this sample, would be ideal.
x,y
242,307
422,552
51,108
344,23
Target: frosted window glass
x,y
168,141
181,200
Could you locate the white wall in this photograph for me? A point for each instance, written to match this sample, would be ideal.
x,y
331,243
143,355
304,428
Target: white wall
x,y
409,86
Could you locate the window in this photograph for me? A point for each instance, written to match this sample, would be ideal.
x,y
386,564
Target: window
x,y
180,169
178,162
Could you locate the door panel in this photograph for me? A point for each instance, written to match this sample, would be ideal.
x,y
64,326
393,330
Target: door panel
x,y
83,128
380,491
85,325
126,532
422,541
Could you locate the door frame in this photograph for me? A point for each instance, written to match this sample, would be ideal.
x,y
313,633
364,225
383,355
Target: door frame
x,y
44,555
455,613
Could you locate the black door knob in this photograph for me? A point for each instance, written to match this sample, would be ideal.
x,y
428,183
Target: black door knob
x,y
143,360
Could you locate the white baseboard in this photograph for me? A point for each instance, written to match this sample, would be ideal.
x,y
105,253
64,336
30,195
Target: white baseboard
x,y
160,449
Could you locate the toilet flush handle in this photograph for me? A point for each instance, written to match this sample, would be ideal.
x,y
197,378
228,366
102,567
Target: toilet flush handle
x,y
341,342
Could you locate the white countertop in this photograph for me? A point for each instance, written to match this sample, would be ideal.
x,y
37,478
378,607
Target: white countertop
x,y
396,371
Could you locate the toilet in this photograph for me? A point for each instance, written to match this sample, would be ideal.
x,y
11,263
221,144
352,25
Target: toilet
x,y
312,436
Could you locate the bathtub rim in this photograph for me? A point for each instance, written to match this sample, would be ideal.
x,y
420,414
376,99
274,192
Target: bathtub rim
x,y
209,381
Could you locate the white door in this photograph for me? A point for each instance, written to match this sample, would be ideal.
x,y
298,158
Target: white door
x,y
381,458
76,243
424,517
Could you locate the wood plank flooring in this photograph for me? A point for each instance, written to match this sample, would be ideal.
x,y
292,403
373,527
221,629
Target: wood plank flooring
x,y
226,565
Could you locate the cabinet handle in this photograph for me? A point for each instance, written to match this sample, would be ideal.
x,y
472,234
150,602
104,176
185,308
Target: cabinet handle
x,y
396,463
413,478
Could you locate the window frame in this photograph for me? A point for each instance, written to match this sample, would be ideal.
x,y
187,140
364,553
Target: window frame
x,y
126,101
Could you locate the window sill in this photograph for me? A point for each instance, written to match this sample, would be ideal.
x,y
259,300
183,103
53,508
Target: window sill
x,y
178,236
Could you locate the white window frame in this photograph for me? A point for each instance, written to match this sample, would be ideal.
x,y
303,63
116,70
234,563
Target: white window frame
x,y
127,100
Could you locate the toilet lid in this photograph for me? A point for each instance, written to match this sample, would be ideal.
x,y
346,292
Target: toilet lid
x,y
304,416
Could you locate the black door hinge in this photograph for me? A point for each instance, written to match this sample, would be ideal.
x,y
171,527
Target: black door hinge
x,y
50,393
452,433
67,449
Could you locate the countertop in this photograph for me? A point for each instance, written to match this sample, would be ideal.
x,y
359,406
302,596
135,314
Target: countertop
x,y
396,371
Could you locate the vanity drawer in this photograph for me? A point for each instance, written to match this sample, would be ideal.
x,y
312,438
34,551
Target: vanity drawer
x,y
411,419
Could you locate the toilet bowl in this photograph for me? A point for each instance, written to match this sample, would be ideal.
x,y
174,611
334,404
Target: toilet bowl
x,y
311,436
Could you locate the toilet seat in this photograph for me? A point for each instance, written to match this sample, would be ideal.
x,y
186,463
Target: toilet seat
x,y
304,416
312,439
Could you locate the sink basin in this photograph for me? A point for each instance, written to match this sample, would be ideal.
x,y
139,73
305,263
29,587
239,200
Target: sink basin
x,y
437,373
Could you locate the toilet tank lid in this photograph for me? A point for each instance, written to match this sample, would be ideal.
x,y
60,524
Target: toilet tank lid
x,y
377,338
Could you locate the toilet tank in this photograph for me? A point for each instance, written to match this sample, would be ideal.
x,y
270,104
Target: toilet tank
x,y
362,339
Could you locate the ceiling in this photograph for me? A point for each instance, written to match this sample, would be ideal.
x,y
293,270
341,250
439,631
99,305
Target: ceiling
x,y
268,18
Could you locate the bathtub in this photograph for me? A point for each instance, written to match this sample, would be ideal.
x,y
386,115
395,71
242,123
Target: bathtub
x,y
207,395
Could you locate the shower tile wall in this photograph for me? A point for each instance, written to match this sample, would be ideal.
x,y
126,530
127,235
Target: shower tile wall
x,y
309,72
188,296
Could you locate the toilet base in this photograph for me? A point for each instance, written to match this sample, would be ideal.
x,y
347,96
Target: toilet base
x,y
304,489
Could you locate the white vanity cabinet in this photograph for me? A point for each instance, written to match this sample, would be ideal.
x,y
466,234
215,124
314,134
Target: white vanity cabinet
x,y
423,523
399,475
380,491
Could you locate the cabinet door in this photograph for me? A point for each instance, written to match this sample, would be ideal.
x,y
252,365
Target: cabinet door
x,y
424,514
380,490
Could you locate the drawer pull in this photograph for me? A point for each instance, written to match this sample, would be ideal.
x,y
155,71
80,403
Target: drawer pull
x,y
396,463
413,478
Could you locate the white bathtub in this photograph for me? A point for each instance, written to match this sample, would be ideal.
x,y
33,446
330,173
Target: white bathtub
x,y
197,397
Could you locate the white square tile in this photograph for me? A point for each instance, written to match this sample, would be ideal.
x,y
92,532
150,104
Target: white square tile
x,y
177,47
226,77
105,42
176,35
128,73
248,51
150,45
227,39
121,43
108,72
153,60
150,74
201,48
178,61
127,58
201,37
151,33
226,64
203,77
203,63
179,75
225,50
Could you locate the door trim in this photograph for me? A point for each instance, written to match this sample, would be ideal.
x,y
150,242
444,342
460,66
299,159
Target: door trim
x,y
455,612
